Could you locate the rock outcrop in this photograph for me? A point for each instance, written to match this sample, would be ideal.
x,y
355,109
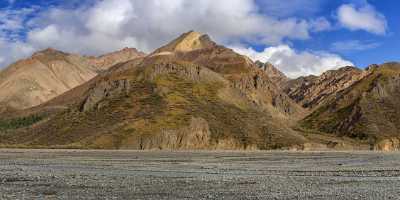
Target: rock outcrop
x,y
196,135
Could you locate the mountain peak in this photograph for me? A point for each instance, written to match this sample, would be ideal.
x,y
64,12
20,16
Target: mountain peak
x,y
188,41
48,51
276,76
106,61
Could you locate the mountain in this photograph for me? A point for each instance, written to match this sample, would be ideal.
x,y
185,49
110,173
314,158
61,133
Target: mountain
x,y
49,73
193,93
188,94
367,110
311,91
273,73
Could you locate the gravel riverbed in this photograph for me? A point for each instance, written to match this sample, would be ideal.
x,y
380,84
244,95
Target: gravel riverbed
x,y
79,174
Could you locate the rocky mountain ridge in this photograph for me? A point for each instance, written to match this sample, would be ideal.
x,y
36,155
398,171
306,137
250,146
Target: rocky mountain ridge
x,y
311,91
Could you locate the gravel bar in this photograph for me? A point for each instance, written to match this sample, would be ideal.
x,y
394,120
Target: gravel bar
x,y
92,174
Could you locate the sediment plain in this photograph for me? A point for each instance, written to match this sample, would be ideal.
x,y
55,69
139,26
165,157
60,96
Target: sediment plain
x,y
81,174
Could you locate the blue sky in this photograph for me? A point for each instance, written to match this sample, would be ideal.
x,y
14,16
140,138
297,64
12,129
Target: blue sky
x,y
300,37
385,46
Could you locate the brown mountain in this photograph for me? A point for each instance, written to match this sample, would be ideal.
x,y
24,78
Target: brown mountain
x,y
367,110
311,91
49,73
189,94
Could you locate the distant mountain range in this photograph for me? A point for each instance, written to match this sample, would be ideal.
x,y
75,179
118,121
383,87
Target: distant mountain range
x,y
194,94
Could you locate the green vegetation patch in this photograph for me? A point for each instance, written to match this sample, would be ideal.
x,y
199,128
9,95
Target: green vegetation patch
x,y
326,121
16,123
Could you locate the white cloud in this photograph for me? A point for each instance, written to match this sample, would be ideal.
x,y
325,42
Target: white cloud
x,y
107,25
363,17
353,45
13,50
294,63
109,17
11,26
320,24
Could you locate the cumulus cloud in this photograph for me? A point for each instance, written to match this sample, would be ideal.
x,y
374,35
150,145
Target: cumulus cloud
x,y
364,17
294,63
107,25
139,21
353,45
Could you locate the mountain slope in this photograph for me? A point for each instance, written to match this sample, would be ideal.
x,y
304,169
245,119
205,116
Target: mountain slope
x,y
311,91
49,73
368,110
